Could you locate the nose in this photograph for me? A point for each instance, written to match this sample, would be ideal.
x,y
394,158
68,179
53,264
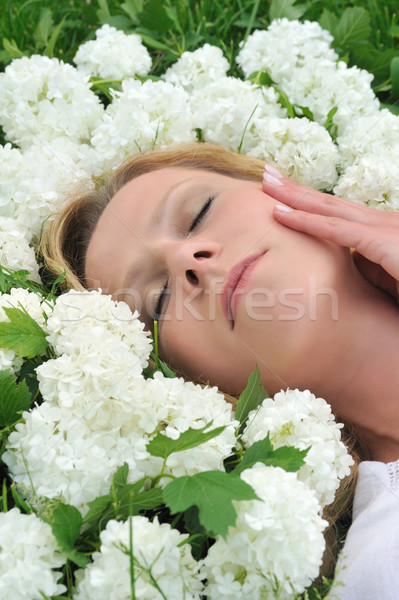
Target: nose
x,y
192,261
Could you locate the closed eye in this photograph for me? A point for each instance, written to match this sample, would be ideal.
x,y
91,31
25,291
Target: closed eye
x,y
199,217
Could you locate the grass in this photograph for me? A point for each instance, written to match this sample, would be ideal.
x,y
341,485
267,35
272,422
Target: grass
x,y
56,28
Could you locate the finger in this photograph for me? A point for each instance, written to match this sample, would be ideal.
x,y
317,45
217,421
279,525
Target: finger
x,y
307,199
368,241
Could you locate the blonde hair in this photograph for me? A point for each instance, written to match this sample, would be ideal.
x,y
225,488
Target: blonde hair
x,y
64,246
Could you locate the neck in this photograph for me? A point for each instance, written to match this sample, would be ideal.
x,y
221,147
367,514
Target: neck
x,y
364,387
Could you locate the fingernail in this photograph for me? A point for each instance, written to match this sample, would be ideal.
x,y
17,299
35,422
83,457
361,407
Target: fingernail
x,y
273,171
271,179
283,208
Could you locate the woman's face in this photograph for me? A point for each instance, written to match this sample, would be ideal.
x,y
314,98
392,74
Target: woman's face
x,y
230,287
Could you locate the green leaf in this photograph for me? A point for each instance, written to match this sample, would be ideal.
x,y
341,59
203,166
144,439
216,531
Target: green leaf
x,y
286,8
394,108
287,457
132,503
65,522
155,17
133,8
394,69
42,32
14,398
353,26
103,12
97,509
250,398
22,334
49,50
153,43
163,446
10,46
329,21
213,493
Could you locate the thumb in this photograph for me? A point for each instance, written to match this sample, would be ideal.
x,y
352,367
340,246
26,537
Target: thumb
x,y
375,274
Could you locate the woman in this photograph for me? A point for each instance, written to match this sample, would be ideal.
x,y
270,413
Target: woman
x,y
194,238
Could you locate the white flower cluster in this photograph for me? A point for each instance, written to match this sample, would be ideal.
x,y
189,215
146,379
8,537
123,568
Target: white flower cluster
x,y
299,419
157,549
34,184
34,306
113,55
15,252
42,98
276,546
225,111
141,117
302,149
369,154
194,70
308,70
99,411
28,555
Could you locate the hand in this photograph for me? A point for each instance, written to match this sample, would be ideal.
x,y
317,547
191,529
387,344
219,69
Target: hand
x,y
374,234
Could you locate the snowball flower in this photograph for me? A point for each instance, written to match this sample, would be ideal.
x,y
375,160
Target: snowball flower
x,y
34,305
113,55
194,70
28,555
301,148
42,98
284,46
156,546
226,111
79,315
373,179
276,542
141,117
35,184
299,419
15,252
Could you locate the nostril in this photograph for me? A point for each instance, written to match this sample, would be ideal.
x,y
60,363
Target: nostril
x,y
191,276
202,254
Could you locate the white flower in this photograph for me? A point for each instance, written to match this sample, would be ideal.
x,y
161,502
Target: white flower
x,y
15,252
113,55
284,46
277,541
301,148
373,134
79,319
299,419
194,70
35,184
227,109
306,69
156,546
142,117
35,307
28,555
42,98
373,180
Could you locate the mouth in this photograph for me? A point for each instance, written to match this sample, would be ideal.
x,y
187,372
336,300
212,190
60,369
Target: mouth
x,y
235,284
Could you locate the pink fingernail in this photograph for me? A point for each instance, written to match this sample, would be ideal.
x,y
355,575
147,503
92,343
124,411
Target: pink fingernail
x,y
273,171
271,179
283,208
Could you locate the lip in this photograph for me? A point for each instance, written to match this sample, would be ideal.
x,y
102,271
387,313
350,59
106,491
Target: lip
x,y
235,284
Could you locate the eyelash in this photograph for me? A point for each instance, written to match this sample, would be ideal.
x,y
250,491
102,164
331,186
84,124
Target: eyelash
x,y
195,223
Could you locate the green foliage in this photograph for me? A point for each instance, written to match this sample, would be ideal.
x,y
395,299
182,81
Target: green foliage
x,y
66,521
163,446
22,334
14,399
213,493
288,458
286,8
250,398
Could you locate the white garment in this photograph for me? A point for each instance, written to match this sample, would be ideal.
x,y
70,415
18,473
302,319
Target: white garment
x,y
368,566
